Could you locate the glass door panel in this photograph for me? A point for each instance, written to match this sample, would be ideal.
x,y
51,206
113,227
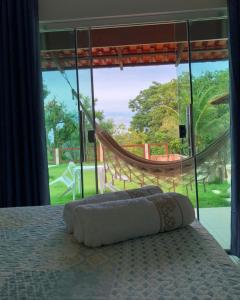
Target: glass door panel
x,y
87,112
211,120
141,82
61,115
187,178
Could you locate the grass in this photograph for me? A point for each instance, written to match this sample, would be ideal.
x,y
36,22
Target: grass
x,y
56,190
208,198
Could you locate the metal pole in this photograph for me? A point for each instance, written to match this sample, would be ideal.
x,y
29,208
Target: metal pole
x,y
193,148
79,118
93,108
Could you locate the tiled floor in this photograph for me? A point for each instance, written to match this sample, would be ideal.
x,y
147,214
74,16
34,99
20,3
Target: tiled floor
x,y
217,221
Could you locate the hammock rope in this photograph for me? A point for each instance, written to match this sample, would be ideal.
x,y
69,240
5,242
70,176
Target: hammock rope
x,y
163,168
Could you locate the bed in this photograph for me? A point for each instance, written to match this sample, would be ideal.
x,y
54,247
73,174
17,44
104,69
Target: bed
x,y
39,260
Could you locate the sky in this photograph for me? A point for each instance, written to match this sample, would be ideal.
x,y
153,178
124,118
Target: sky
x,y
114,87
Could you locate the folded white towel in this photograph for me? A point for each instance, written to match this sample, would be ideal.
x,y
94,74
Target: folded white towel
x,y
70,207
133,193
111,222
115,221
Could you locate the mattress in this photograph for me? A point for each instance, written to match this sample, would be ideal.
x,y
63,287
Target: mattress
x,y
39,260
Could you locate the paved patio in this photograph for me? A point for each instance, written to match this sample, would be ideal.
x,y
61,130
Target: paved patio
x,y
217,221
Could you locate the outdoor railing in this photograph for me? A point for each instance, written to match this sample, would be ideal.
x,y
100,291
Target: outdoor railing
x,y
61,155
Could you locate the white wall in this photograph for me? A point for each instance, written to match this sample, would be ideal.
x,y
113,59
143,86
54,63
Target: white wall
x,y
99,12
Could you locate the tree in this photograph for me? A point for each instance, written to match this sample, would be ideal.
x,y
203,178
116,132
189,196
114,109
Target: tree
x,y
106,124
160,108
152,104
62,124
45,91
210,121
156,113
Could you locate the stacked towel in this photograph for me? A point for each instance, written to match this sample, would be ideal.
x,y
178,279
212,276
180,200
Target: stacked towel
x,y
129,194
111,222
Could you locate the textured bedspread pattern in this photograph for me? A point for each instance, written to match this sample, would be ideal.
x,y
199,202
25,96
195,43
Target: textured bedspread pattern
x,y
39,260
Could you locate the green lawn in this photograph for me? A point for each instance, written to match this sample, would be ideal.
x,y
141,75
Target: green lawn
x,y
56,190
215,196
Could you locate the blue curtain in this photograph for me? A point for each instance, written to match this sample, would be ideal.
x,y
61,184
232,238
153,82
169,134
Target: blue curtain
x,y
234,39
23,159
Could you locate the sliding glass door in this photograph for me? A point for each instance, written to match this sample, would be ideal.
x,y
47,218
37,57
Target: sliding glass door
x,y
185,140
211,121
69,114
61,114
141,82
161,93
86,112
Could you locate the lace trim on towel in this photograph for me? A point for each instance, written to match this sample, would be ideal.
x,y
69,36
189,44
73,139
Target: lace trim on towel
x,y
166,208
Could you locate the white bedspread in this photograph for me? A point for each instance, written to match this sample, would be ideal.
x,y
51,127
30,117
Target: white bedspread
x,y
39,260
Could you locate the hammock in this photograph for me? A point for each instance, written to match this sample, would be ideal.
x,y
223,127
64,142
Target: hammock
x,y
123,166
160,168
126,166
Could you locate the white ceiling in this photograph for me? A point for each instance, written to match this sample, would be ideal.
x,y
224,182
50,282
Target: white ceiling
x,y
106,12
